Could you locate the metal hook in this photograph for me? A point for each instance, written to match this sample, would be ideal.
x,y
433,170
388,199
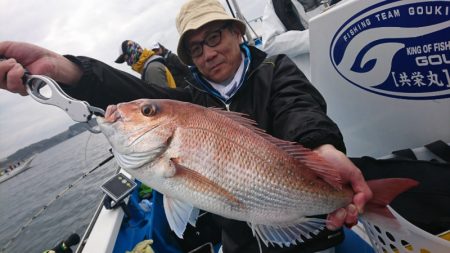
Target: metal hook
x,y
77,110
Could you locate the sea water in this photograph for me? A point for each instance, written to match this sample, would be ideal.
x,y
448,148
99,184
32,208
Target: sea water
x,y
51,172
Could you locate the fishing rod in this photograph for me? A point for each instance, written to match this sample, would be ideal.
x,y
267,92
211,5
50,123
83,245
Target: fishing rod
x,y
241,17
57,196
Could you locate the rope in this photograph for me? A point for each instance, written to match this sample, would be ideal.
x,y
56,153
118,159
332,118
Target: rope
x,y
29,221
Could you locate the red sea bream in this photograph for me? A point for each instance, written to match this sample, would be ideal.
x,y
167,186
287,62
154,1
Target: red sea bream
x,y
218,161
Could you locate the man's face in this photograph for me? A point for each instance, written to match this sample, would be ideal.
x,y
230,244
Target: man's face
x,y
217,63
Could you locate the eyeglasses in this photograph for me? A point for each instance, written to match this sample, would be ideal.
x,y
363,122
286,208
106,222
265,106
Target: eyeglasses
x,y
211,40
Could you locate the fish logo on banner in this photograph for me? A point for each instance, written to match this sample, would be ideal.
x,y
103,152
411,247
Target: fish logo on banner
x,y
398,49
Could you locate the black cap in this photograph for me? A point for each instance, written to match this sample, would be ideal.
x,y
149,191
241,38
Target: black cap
x,y
123,51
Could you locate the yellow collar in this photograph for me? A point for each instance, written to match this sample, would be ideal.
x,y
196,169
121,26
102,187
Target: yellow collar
x,y
139,65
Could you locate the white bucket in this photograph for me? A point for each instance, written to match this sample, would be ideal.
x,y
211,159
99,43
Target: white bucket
x,y
400,236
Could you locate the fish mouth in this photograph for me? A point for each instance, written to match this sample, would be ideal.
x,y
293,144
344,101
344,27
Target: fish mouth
x,y
112,114
107,125
101,120
110,126
107,128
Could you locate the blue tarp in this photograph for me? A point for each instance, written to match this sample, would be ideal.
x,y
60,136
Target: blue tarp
x,y
353,243
145,225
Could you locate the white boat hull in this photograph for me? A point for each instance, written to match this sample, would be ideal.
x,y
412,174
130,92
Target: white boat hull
x,y
16,171
383,68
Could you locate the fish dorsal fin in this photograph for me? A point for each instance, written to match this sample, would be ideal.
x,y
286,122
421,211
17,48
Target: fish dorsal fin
x,y
306,156
178,214
290,234
240,118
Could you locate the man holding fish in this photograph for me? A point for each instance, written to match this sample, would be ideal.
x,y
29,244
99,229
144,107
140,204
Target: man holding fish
x,y
231,75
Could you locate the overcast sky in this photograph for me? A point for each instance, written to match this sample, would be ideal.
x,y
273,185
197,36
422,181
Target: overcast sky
x,y
80,27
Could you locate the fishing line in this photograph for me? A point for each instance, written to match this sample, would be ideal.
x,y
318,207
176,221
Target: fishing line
x,y
85,148
59,195
231,9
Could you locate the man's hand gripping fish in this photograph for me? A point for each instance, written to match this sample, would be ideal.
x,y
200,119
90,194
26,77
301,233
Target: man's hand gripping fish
x,y
218,161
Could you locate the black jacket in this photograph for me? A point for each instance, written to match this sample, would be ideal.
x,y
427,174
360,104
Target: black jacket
x,y
275,94
179,70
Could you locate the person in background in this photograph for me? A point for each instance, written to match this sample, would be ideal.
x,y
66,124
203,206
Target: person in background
x,y
146,62
228,74
179,70
286,29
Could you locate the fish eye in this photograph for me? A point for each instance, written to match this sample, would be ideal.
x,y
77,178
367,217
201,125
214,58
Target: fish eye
x,y
149,110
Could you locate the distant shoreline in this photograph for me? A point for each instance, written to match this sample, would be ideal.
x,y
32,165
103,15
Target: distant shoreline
x,y
42,145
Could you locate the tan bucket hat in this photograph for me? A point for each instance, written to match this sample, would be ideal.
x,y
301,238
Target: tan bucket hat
x,y
196,13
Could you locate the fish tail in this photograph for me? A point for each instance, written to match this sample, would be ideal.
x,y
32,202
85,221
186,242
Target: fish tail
x,y
386,190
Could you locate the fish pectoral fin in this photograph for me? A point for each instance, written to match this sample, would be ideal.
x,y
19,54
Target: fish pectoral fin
x,y
193,217
286,235
204,183
178,214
